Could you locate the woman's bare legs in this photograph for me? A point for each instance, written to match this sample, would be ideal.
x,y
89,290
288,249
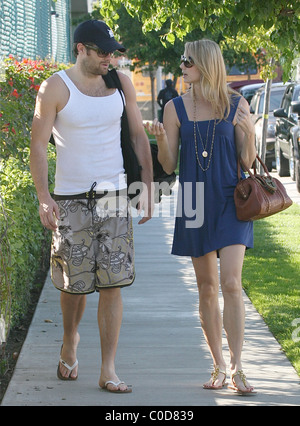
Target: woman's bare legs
x,y
206,269
231,265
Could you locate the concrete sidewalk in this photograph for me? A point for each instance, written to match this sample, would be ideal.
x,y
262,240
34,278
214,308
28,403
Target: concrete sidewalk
x,y
162,352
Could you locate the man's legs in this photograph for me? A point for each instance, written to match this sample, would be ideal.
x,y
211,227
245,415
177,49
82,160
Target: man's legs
x,y
72,309
110,312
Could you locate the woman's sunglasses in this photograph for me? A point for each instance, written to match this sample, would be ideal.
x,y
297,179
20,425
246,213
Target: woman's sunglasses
x,y
99,51
187,62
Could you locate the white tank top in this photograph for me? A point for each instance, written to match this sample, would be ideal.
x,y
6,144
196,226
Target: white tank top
x,y
87,134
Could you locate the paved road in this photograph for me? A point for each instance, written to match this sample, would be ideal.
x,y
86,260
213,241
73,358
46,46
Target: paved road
x,y
162,352
290,187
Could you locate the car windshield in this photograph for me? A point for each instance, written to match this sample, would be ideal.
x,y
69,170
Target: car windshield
x,y
297,94
275,100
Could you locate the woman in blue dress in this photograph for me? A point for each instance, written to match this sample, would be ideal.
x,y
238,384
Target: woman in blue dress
x,y
215,127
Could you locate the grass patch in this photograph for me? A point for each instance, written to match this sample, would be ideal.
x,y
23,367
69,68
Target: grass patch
x,y
271,278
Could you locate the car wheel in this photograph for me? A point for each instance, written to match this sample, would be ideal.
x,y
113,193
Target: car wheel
x,y
292,162
297,170
282,164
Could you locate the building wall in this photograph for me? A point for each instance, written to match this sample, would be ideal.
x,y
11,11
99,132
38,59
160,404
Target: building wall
x,y
35,29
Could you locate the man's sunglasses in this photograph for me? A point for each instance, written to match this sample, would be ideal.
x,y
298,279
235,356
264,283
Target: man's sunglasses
x,y
99,51
188,62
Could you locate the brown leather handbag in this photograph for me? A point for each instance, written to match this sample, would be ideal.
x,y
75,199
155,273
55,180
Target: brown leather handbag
x,y
259,196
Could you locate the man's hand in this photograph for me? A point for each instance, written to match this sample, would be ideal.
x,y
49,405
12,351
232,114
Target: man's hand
x,y
49,213
146,203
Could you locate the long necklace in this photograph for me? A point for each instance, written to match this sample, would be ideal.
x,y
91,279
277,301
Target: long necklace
x,y
204,152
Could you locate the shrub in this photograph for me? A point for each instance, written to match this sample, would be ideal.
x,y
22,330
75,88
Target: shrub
x,y
28,240
18,95
23,241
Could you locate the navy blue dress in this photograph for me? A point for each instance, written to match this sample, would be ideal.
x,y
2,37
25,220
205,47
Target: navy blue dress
x,y
206,219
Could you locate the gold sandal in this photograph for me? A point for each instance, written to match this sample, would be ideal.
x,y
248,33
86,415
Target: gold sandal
x,y
214,376
236,389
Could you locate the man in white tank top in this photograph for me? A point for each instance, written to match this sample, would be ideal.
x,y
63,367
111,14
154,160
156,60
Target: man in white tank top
x,y
92,249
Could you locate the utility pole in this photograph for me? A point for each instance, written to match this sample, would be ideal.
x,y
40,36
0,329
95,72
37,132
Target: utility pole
x,y
262,150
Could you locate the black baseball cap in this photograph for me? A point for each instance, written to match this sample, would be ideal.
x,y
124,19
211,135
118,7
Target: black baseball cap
x,y
97,32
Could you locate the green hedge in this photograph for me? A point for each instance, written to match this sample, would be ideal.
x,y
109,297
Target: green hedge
x,y
24,243
17,99
28,241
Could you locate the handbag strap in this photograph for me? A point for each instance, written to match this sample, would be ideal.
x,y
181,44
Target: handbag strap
x,y
112,80
266,182
245,168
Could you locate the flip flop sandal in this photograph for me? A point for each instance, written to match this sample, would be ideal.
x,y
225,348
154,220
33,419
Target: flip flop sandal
x,y
236,389
68,367
215,375
116,384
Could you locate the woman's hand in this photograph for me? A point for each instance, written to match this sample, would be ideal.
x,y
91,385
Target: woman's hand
x,y
156,128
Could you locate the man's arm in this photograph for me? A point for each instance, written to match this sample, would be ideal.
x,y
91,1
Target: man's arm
x,y
140,144
43,120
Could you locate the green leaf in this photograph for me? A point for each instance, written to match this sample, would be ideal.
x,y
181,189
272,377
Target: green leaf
x,y
171,38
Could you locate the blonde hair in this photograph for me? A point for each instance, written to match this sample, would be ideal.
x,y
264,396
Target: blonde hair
x,y
208,58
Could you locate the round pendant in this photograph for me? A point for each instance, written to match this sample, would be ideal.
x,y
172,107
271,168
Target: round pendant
x,y
204,154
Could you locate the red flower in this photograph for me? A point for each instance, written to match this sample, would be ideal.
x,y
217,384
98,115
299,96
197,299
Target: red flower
x,y
35,87
10,82
5,128
15,93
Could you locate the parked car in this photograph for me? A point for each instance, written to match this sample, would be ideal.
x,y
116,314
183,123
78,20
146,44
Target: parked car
x,y
296,135
287,145
249,90
256,109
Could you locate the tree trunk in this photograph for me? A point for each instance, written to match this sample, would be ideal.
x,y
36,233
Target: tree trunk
x,y
153,94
